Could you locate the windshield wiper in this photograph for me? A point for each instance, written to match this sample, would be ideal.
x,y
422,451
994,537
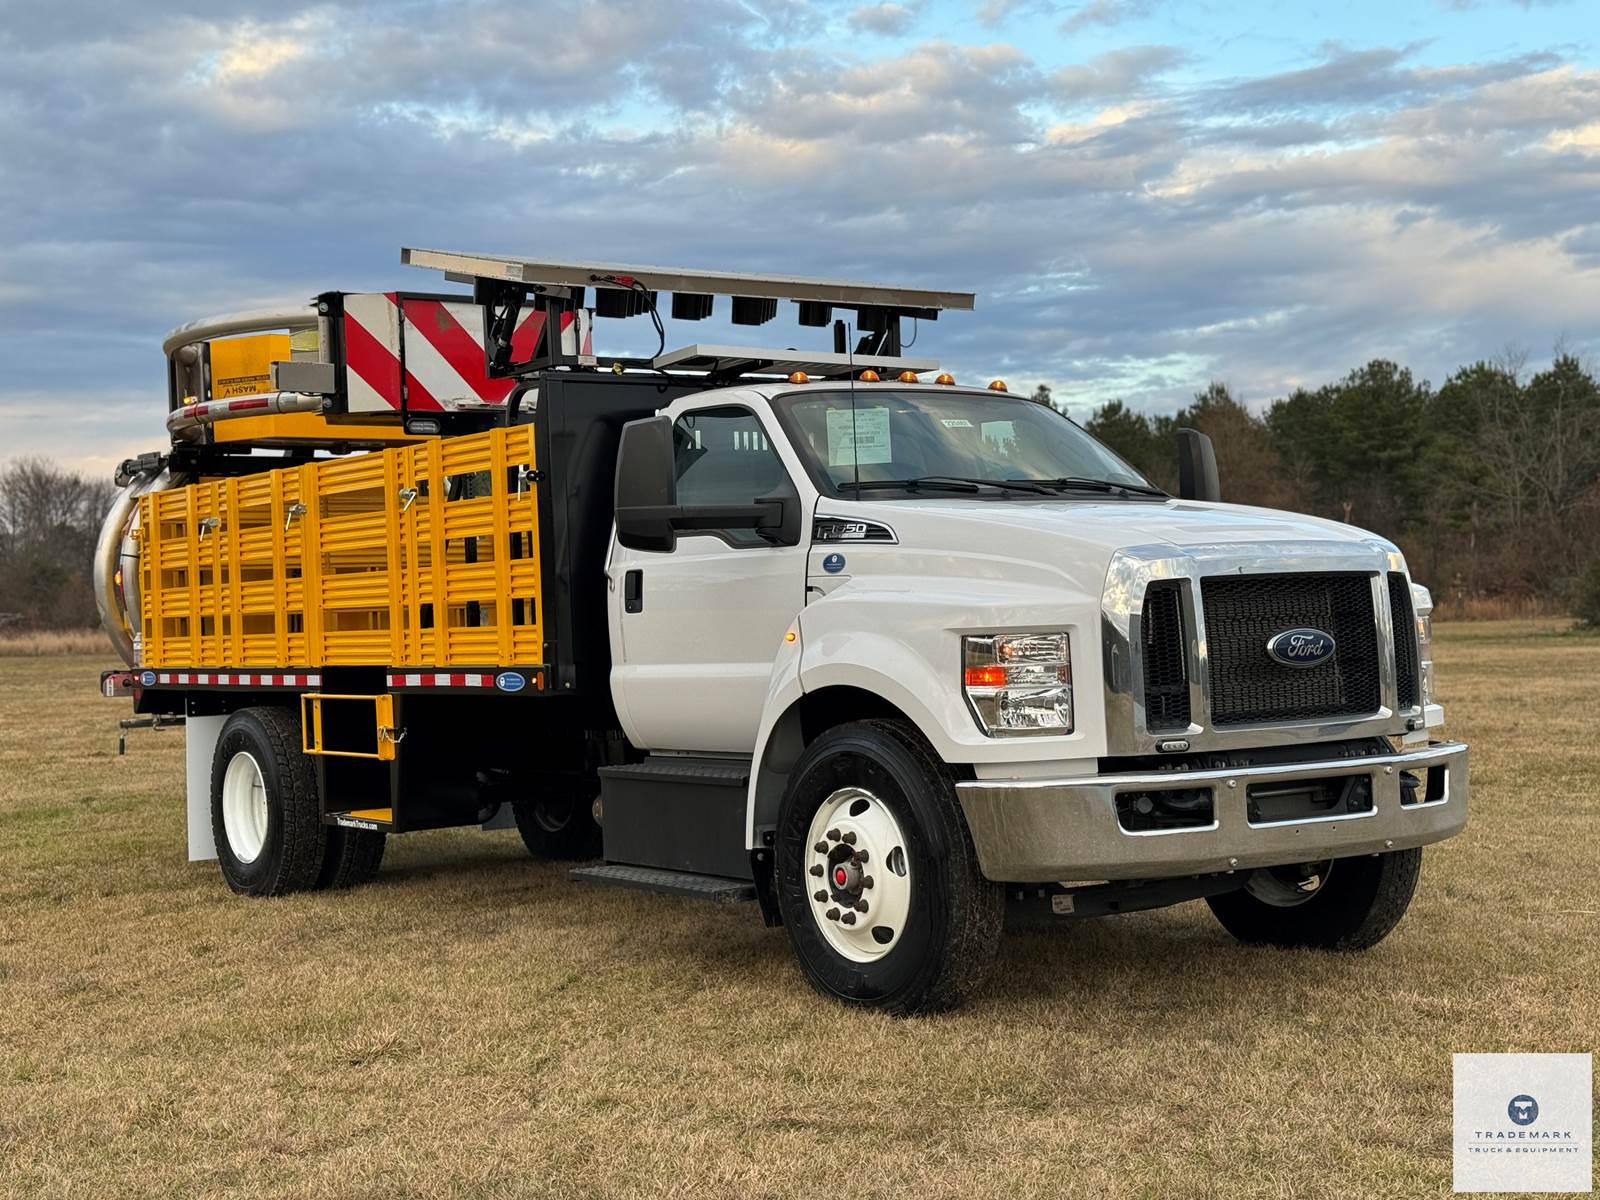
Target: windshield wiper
x,y
1108,486
933,482
953,483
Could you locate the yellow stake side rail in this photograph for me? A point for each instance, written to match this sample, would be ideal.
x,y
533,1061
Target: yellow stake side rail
x,y
418,556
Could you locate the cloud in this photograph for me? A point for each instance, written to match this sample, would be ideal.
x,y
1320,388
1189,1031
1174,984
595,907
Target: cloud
x,y
1129,231
1118,74
996,12
886,19
1107,13
1468,5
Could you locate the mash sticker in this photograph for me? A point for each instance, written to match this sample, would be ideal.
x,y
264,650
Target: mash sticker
x,y
858,437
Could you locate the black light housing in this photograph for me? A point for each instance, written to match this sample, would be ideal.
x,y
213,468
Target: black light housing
x,y
690,306
815,312
753,310
616,302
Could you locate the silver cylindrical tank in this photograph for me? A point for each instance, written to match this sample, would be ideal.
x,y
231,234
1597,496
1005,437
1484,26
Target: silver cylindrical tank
x,y
116,561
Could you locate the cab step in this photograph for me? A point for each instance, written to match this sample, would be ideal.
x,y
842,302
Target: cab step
x,y
674,883
677,814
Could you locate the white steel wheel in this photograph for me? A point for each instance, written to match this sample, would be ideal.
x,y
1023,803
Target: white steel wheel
x,y
244,807
859,874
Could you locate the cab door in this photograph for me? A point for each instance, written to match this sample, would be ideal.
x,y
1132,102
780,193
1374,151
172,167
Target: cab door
x,y
698,627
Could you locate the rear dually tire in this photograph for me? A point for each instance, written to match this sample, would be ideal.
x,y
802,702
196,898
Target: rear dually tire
x,y
266,815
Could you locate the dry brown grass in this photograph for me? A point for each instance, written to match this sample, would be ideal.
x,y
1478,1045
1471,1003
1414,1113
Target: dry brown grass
x,y
474,1025
1450,607
38,642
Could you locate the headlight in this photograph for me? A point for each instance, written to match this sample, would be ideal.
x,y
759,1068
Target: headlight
x,y
1422,605
1018,683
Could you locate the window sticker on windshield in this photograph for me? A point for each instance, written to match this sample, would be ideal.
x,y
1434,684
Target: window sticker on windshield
x,y
861,436
1000,433
956,423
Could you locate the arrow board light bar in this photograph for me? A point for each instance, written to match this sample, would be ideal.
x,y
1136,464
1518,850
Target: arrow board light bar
x,y
534,273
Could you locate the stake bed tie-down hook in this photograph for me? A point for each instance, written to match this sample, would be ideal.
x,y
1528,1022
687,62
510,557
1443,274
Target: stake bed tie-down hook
x,y
207,524
294,510
408,497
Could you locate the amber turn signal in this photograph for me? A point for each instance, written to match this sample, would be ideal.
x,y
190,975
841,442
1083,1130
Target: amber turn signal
x,y
986,676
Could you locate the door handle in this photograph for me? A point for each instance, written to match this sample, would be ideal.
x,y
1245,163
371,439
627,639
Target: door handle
x,y
633,591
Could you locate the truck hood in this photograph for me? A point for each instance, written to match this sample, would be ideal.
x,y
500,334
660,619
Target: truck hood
x,y
1077,538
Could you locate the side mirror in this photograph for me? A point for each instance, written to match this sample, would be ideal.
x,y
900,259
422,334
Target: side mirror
x,y
1197,467
646,491
649,515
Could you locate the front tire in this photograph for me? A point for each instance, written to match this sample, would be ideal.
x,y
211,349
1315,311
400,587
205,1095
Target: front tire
x,y
266,816
878,881
1356,904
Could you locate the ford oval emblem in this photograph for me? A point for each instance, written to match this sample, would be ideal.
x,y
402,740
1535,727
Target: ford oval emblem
x,y
1301,647
509,681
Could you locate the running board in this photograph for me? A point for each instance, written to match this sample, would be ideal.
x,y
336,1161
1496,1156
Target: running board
x,y
673,883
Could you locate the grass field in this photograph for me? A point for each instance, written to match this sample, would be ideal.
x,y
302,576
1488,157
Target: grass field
x,y
473,1025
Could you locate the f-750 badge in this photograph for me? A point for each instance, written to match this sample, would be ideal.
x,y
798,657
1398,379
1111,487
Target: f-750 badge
x,y
841,529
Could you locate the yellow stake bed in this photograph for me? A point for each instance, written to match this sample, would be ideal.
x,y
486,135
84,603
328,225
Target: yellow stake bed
x,y
418,556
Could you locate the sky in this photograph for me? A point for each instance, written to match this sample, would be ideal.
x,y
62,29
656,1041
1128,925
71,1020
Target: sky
x,y
1145,195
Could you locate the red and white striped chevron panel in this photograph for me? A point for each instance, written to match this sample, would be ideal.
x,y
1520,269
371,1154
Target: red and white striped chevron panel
x,y
440,343
512,680
294,679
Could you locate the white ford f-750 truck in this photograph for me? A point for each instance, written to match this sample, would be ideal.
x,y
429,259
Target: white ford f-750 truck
x,y
886,655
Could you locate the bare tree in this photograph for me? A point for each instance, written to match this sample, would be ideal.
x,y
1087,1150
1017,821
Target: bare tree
x,y
49,519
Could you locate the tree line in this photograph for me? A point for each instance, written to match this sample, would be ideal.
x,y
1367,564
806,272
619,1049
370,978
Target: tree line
x,y
1490,483
49,520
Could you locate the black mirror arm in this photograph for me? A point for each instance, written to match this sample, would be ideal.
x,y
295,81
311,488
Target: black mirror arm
x,y
711,516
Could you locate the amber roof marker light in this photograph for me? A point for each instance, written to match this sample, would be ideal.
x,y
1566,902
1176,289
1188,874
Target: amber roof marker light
x,y
868,376
997,385
908,377
799,377
947,379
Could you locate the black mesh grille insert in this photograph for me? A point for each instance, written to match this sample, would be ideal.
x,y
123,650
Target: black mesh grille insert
x,y
1405,640
1243,612
1166,681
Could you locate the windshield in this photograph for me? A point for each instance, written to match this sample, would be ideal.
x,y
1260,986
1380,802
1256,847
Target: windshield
x,y
946,440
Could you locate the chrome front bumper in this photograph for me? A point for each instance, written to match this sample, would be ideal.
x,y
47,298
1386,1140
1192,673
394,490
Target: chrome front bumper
x,y
1038,830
